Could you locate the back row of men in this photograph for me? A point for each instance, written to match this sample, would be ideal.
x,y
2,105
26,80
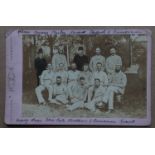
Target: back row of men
x,y
82,89
79,59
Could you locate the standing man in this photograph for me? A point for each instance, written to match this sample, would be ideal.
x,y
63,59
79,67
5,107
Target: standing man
x,y
40,64
62,73
80,59
73,75
95,59
59,58
95,95
100,75
59,92
77,95
112,60
87,75
46,82
117,84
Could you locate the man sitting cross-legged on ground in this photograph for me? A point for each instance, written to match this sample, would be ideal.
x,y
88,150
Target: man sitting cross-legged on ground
x,y
77,94
59,92
46,81
117,84
95,95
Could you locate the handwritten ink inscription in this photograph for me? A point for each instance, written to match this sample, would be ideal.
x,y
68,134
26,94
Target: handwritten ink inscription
x,y
124,121
82,32
75,121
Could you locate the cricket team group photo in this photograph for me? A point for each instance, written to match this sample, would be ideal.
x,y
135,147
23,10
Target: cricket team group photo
x,y
84,75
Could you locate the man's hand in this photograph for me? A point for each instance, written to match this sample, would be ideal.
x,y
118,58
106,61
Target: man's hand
x,y
72,97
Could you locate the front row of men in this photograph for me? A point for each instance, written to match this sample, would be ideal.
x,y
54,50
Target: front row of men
x,y
83,89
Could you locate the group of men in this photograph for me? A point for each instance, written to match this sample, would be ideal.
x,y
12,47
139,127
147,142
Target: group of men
x,y
90,85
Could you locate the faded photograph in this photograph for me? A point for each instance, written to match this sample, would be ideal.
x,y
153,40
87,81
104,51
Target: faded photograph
x,y
102,76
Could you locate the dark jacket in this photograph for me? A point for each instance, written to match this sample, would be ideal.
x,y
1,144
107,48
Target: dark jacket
x,y
80,61
40,65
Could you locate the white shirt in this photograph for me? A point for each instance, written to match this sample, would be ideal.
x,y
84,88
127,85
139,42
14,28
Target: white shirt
x,y
111,62
63,75
59,90
118,79
78,91
57,59
73,75
97,92
88,77
47,77
94,60
102,76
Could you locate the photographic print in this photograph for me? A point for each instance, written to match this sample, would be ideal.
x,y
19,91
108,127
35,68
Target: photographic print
x,y
78,77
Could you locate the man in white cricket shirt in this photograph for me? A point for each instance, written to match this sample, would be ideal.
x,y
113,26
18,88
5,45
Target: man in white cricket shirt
x,y
95,59
77,95
73,75
59,58
112,60
62,73
100,75
46,82
59,92
87,74
95,95
117,84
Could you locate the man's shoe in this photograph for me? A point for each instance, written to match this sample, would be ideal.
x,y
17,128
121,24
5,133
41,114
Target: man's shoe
x,y
44,103
110,111
97,111
69,108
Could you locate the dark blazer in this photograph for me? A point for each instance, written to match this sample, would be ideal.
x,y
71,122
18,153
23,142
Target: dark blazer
x,y
80,61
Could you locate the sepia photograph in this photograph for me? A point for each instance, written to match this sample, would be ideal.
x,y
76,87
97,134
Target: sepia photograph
x,y
78,75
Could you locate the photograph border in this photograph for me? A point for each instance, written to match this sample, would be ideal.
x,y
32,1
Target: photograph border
x,y
14,67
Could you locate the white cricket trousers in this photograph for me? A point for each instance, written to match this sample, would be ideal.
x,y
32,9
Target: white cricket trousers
x,y
109,96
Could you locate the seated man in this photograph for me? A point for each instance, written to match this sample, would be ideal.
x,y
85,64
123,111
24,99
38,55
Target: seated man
x,y
95,95
46,81
62,73
117,84
87,74
73,75
77,94
59,92
101,75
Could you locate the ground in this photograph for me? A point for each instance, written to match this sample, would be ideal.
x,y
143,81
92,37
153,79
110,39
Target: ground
x,y
134,102
132,107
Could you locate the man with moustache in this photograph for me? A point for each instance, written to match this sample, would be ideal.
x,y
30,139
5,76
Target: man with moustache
x,y
112,60
95,59
117,84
